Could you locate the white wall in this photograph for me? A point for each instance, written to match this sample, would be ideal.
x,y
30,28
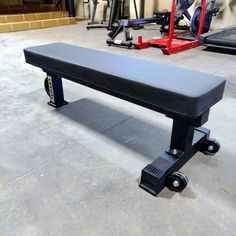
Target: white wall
x,y
16,2
228,17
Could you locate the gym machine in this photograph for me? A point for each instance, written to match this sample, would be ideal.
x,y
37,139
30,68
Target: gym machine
x,y
118,11
124,25
209,13
200,23
222,40
95,24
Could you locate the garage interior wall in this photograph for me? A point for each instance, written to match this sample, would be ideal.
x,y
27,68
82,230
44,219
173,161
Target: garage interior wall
x,y
227,18
10,2
18,2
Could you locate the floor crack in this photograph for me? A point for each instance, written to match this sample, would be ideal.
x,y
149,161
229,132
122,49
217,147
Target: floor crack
x,y
121,122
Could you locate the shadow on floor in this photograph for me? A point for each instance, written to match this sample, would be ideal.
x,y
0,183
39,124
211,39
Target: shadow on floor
x,y
220,50
142,137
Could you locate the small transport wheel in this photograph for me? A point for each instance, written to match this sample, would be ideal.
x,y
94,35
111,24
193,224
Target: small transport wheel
x,y
210,147
46,86
176,181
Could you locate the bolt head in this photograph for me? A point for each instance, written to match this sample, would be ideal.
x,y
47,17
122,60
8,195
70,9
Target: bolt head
x,y
174,151
176,183
210,148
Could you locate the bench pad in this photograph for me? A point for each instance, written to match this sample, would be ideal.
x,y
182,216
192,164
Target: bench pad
x,y
164,88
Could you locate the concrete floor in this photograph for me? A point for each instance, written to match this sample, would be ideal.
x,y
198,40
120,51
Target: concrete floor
x,y
75,170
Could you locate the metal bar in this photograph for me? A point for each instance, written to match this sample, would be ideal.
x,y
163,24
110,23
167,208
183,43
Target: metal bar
x,y
135,9
182,136
67,5
72,8
95,3
113,12
202,17
172,23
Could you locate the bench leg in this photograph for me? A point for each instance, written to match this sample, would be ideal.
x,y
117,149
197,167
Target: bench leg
x,y
54,89
186,140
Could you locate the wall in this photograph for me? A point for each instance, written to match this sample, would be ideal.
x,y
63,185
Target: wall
x,y
10,2
16,2
228,16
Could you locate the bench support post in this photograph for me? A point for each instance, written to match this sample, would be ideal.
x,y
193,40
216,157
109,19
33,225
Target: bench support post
x,y
54,89
181,136
186,140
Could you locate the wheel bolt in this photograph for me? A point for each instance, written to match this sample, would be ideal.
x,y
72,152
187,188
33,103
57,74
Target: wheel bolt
x,y
210,148
176,183
175,151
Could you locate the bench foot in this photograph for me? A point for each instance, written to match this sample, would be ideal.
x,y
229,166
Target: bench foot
x,y
57,105
163,172
154,183
54,88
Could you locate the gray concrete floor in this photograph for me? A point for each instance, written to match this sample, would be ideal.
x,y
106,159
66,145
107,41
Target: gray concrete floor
x,y
75,170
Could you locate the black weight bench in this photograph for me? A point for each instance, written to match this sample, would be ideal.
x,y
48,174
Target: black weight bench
x,y
183,95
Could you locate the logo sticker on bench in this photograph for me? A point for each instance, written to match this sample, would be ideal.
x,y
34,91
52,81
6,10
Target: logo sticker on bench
x,y
50,87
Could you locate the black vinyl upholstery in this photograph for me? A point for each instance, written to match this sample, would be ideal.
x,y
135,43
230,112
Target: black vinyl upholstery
x,y
164,88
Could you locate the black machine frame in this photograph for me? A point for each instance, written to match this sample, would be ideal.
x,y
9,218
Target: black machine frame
x,y
161,18
95,24
225,43
164,19
117,12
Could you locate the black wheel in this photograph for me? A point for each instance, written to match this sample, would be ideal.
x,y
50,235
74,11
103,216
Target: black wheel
x,y
176,181
110,34
46,86
195,20
210,147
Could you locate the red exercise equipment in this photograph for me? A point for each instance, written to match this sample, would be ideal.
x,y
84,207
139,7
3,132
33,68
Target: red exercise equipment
x,y
170,44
